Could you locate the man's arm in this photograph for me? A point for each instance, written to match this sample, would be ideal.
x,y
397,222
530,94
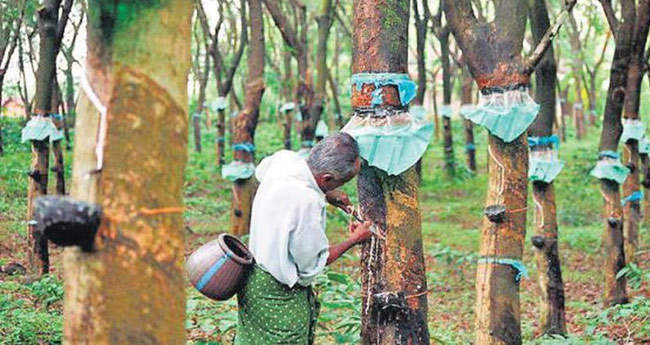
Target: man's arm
x,y
359,233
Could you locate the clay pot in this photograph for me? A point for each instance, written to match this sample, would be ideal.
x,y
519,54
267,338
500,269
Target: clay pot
x,y
220,268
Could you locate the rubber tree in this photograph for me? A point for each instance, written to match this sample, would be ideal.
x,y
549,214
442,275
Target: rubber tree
x,y
552,319
57,106
493,54
421,28
394,300
246,121
224,72
202,68
614,254
466,100
632,208
576,69
443,32
310,97
130,287
68,53
592,72
48,13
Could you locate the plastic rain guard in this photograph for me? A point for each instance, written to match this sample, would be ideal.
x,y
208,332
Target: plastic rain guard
x,y
632,129
237,171
391,143
506,115
38,128
610,169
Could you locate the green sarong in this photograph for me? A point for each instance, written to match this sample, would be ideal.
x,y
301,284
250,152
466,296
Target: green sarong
x,y
273,313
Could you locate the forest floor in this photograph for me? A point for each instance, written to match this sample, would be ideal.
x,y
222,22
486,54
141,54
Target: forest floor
x,y
452,212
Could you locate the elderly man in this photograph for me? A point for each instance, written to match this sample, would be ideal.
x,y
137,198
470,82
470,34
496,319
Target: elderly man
x,y
287,239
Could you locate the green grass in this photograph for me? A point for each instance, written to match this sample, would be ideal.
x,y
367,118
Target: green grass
x,y
452,213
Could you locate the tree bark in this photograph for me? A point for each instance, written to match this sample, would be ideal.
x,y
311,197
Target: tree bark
x,y
246,122
493,54
47,28
576,68
393,270
466,99
448,142
613,212
632,208
57,149
131,288
421,22
552,320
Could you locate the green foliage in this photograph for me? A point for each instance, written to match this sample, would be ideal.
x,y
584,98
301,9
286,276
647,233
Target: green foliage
x,y
25,319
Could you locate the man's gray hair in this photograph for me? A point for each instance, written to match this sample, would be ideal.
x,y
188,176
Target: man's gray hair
x,y
334,155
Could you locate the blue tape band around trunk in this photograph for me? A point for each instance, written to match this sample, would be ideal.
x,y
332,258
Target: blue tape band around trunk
x,y
405,86
609,154
636,196
244,146
542,141
516,264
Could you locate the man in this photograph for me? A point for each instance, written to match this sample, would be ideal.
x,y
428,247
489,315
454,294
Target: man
x,y
287,239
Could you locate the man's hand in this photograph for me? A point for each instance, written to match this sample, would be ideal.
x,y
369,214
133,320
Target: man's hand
x,y
339,199
360,232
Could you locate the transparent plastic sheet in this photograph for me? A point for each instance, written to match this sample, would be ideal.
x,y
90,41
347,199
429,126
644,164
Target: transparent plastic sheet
x,y
391,143
505,114
234,114
610,168
287,107
321,129
297,115
237,171
38,128
418,112
644,146
632,129
57,135
446,110
465,109
544,165
219,103
405,86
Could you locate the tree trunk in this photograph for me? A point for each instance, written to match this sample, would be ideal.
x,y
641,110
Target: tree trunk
x,y
565,107
288,90
57,149
493,54
632,208
466,99
221,136
131,288
393,270
315,105
645,182
552,319
613,212
448,142
245,123
47,24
